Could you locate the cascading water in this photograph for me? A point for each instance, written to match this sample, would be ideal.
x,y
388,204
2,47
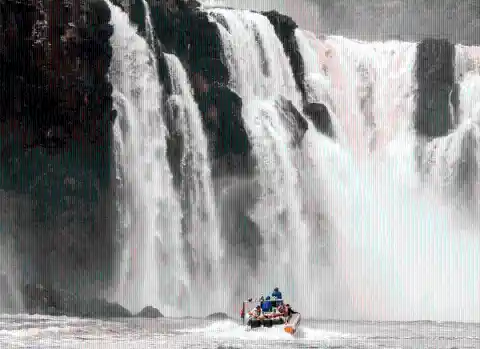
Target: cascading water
x,y
402,253
350,222
202,227
260,74
152,271
148,25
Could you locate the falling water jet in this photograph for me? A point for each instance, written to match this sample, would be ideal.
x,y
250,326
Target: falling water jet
x,y
151,272
201,220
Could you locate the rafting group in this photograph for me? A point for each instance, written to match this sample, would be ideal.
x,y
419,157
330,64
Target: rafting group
x,y
269,311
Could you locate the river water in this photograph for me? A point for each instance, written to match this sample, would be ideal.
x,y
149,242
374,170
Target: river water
x,y
26,331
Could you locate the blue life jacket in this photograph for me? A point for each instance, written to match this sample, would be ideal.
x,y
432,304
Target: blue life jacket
x,y
266,306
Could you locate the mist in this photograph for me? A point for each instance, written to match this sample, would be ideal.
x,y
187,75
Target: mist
x,y
373,20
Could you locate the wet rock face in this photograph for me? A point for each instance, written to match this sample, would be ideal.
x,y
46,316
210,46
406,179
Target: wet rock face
x,y
292,119
55,120
285,30
53,68
319,115
435,78
221,108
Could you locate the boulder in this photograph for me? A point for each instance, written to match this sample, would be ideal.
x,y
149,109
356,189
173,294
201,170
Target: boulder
x,y
319,115
149,312
217,316
101,308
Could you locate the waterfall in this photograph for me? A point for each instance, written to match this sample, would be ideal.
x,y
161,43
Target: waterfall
x,y
148,25
202,227
152,270
260,74
402,252
453,162
351,227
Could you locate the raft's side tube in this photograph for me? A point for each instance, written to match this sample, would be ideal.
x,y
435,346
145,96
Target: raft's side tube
x,y
292,324
254,323
278,321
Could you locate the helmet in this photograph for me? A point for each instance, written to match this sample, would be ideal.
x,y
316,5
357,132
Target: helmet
x,y
268,298
275,289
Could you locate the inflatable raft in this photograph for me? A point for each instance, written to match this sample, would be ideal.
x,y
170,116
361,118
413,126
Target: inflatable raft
x,y
290,320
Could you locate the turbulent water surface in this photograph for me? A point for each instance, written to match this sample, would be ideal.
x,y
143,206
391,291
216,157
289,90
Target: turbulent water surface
x,y
50,332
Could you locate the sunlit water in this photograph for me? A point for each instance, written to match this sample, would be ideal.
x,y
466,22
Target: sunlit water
x,y
23,331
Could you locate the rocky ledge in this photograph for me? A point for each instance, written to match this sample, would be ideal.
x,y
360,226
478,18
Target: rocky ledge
x,y
38,299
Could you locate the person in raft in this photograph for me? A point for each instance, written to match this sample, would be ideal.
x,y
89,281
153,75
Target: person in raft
x,y
256,312
278,297
290,311
267,305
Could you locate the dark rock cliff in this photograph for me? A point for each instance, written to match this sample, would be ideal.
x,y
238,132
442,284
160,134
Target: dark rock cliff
x,y
55,120
435,77
54,59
